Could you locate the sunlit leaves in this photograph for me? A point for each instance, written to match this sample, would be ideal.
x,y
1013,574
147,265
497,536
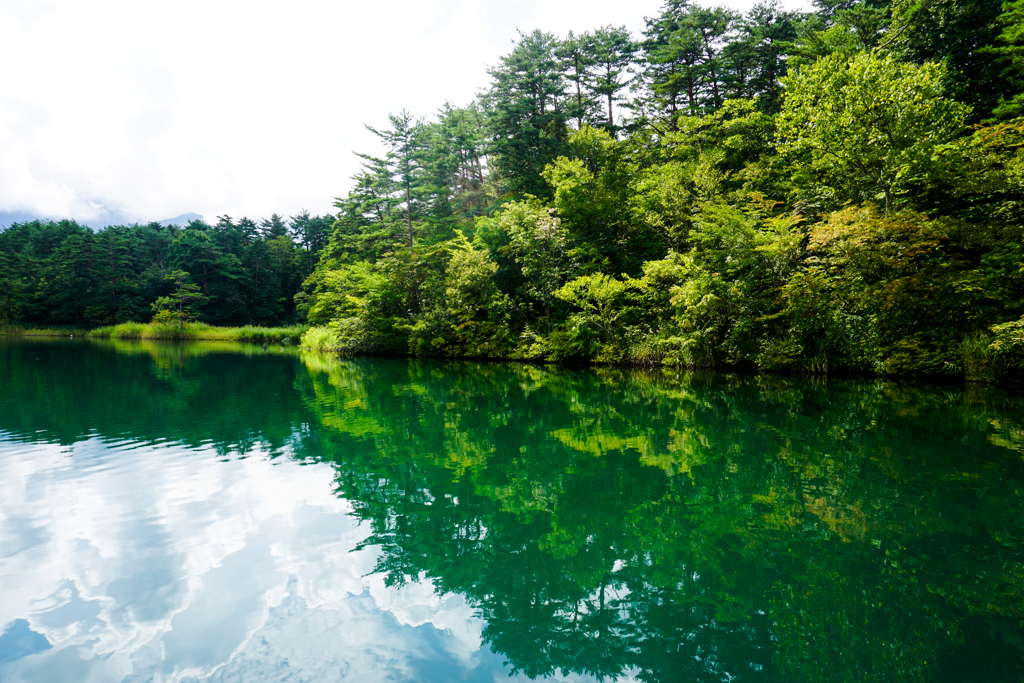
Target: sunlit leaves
x,y
870,125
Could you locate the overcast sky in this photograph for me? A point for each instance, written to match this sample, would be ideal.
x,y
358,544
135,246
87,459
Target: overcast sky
x,y
148,110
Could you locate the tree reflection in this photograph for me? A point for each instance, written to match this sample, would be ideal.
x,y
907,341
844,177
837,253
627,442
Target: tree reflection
x,y
689,527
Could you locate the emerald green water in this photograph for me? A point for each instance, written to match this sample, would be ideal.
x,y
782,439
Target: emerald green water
x,y
208,512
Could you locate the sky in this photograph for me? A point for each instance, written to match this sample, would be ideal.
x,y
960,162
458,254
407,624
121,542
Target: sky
x,y
129,111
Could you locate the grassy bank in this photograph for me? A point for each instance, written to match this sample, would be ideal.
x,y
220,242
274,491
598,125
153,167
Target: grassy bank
x,y
323,339
249,333
42,332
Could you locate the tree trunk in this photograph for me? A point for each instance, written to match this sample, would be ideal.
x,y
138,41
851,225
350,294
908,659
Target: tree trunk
x,y
408,211
579,97
408,202
711,63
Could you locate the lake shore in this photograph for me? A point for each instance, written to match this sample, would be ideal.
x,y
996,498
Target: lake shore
x,y
325,340
174,332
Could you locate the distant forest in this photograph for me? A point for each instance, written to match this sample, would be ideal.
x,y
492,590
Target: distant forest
x,y
836,190
62,273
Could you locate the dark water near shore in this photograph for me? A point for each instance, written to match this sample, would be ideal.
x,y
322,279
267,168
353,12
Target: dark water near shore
x,y
214,512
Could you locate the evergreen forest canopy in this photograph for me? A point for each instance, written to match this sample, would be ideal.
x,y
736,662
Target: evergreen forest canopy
x,y
798,191
243,271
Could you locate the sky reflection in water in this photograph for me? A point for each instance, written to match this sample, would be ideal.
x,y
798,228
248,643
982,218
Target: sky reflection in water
x,y
164,563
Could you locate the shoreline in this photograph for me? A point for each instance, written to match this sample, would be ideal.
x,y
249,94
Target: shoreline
x,y
171,332
292,336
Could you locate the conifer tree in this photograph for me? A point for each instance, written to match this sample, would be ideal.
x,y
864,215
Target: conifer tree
x,y
404,142
274,226
612,58
575,53
669,80
526,104
177,307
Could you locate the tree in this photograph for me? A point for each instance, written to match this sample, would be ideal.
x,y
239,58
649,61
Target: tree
x,y
755,60
672,49
466,314
868,126
72,278
604,301
404,160
958,34
312,233
575,55
713,26
458,159
368,223
8,287
273,227
247,229
1008,55
117,293
178,306
592,190
612,56
198,252
537,240
526,111
689,53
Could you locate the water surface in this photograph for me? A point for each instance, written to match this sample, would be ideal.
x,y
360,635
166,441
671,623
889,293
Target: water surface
x,y
214,512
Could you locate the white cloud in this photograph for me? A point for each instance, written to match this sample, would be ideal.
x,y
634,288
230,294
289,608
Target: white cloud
x,y
222,106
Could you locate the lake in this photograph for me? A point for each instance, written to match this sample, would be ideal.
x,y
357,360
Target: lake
x,y
217,512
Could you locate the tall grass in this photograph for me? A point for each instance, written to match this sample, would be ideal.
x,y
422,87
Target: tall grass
x,y
979,358
58,331
322,339
122,331
249,333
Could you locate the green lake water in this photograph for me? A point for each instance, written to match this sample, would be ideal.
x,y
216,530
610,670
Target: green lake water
x,y
217,512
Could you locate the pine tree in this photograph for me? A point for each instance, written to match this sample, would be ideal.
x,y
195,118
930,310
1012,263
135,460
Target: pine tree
x,y
767,32
612,58
575,55
670,78
274,226
959,34
177,307
458,159
526,106
404,142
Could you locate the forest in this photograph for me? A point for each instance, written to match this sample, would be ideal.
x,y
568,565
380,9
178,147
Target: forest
x,y
838,190
245,272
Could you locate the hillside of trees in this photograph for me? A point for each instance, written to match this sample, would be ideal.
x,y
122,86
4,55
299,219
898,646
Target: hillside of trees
x,y
838,190
835,190
62,273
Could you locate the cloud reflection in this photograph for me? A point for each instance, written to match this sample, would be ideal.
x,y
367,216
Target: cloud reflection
x,y
158,563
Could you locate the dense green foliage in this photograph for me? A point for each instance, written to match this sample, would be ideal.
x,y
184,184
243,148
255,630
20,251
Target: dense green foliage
x,y
236,272
837,190
834,190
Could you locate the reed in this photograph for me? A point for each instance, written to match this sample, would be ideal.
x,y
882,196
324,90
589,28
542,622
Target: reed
x,y
174,331
58,331
322,339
